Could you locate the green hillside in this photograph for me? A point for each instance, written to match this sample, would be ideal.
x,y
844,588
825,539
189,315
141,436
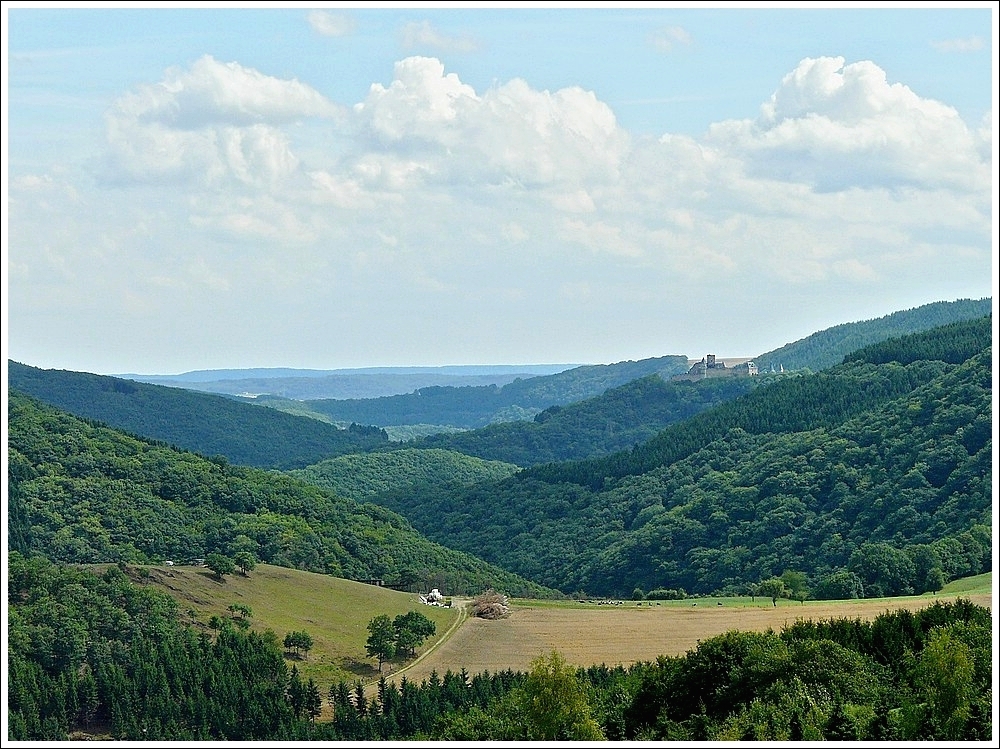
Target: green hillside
x,y
85,493
361,476
873,474
206,424
616,420
335,612
827,348
472,407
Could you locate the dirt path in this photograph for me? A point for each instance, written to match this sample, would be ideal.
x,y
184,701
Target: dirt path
x,y
621,635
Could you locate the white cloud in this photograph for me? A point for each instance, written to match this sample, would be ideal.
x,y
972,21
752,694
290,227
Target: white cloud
x,y
330,24
668,38
431,195
421,35
834,126
969,44
511,134
211,121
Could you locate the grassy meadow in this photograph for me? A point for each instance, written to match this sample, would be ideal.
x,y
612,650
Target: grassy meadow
x,y
335,612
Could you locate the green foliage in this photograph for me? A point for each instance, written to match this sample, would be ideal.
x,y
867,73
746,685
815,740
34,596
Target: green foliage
x,y
944,675
882,471
245,612
614,420
93,494
555,704
245,561
828,348
298,641
87,651
381,642
953,343
902,676
211,425
220,564
839,586
796,583
412,628
773,588
364,475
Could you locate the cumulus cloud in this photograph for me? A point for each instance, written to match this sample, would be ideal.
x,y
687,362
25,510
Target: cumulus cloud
x,y
422,35
669,38
969,44
431,194
429,187
330,24
211,121
511,134
835,126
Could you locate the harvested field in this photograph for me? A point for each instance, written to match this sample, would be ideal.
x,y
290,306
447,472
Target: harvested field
x,y
589,635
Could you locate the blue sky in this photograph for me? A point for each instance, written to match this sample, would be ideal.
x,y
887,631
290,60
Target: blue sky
x,y
344,186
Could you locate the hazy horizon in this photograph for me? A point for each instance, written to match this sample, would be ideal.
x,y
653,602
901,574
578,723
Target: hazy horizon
x,y
219,187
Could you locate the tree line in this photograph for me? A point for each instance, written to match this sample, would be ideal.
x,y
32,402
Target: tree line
x,y
96,655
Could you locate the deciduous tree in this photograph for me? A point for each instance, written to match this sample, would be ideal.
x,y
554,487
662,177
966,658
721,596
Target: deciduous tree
x,y
381,642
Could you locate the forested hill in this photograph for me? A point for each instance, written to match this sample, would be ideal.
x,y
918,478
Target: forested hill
x,y
81,492
795,404
828,347
872,477
472,407
203,423
616,420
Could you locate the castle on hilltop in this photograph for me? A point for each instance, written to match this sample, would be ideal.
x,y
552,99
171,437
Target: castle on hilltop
x,y
709,366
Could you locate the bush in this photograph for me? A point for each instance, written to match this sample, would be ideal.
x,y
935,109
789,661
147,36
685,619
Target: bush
x,y
666,594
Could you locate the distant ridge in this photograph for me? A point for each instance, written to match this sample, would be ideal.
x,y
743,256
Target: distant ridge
x,y
365,382
201,422
828,347
260,373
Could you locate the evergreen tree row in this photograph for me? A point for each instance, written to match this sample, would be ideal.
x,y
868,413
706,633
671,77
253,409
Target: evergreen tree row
x,y
92,656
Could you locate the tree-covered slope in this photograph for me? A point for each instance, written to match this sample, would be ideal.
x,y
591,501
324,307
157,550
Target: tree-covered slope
x,y
880,471
81,492
616,420
203,423
472,407
828,347
363,475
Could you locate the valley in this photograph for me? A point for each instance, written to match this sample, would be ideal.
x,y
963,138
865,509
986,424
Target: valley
x,y
852,502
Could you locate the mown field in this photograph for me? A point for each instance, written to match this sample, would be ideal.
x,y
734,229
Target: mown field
x,y
335,612
589,634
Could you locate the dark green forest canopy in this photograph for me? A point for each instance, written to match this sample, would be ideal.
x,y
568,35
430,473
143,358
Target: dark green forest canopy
x,y
207,424
83,492
880,470
828,348
616,420
364,475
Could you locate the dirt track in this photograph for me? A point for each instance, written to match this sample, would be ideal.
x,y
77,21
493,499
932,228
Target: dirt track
x,y
623,634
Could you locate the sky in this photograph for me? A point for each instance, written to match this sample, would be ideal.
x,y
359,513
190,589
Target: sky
x,y
210,186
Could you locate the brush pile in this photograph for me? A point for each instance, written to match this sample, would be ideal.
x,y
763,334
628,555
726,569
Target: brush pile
x,y
490,605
